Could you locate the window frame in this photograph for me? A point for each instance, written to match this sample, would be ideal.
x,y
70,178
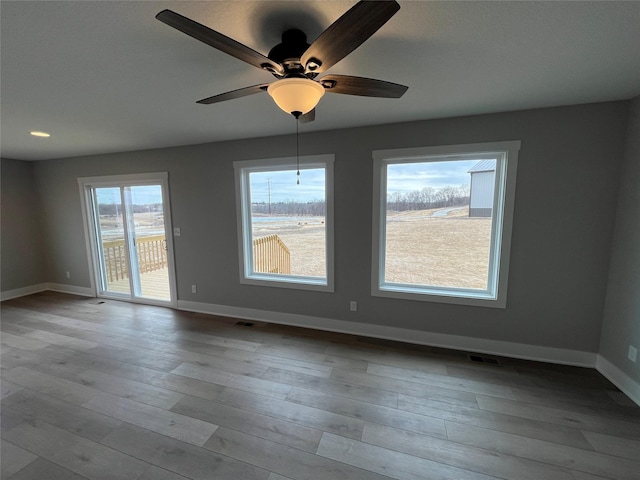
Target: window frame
x,y
242,170
495,295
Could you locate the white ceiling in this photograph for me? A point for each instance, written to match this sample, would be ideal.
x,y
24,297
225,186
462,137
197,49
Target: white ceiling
x,y
106,76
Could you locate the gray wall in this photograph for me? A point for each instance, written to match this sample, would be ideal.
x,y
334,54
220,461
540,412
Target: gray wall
x,y
21,233
569,171
621,326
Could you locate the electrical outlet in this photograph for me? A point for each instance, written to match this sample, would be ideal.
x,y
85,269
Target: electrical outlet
x,y
176,232
68,274
194,289
633,353
353,306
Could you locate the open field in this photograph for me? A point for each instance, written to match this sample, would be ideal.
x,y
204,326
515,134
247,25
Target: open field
x,y
448,250
305,240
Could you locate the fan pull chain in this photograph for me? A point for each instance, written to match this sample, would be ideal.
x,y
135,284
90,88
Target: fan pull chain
x,y
297,116
297,153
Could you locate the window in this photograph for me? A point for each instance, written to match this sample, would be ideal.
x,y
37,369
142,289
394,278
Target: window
x,y
442,223
285,229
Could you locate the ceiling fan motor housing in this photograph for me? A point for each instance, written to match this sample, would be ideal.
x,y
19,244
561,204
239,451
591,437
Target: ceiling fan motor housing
x,y
288,53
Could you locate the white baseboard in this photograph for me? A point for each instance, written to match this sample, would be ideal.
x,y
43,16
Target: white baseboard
x,y
55,287
72,289
456,342
21,292
624,382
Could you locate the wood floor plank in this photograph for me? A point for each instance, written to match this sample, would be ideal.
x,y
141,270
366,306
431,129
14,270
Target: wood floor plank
x,y
284,460
498,421
169,381
548,452
333,387
158,420
587,476
369,412
471,386
332,361
65,415
122,387
23,343
298,366
180,457
262,426
10,418
383,356
8,388
220,341
315,418
51,385
85,457
474,459
390,463
14,458
97,359
237,381
275,476
405,387
612,445
157,473
62,340
41,469
629,429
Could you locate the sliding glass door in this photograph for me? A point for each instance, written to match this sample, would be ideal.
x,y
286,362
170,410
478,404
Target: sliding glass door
x,y
129,229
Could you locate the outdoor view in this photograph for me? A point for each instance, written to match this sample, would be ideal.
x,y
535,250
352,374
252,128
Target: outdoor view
x,y
144,210
432,236
288,222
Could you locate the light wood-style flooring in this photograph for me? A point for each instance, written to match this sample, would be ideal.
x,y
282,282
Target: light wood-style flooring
x,y
114,390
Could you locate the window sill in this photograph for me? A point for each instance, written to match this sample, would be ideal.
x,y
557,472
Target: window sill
x,y
476,298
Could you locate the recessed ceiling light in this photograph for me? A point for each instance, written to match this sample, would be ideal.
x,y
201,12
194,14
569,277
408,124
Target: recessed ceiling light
x,y
40,134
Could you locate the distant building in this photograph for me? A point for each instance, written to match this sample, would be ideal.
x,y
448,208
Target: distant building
x,y
483,178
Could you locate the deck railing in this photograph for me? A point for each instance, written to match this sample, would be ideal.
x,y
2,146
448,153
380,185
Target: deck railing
x,y
152,256
271,255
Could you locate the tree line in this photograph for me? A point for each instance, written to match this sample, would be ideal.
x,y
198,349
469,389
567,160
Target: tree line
x,y
425,199
429,198
115,209
290,207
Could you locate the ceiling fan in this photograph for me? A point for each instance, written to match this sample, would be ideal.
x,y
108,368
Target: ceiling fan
x,y
296,64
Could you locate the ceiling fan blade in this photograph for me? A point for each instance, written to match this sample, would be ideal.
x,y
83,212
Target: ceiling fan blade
x,y
241,92
219,41
366,87
310,116
347,33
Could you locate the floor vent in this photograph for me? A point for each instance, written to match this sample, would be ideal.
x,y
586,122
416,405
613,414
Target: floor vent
x,y
481,359
245,324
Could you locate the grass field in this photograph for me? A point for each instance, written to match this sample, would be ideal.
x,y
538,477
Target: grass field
x,y
422,249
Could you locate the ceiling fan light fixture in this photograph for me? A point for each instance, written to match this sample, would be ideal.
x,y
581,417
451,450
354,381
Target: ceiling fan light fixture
x,y
296,94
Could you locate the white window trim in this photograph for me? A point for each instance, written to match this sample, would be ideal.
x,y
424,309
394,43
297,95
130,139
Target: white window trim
x,y
245,245
503,218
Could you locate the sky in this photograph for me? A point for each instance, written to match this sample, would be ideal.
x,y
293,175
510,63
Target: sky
x,y
284,186
140,195
402,177
409,177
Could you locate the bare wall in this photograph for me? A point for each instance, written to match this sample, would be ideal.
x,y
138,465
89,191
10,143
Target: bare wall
x,y
621,325
21,233
568,175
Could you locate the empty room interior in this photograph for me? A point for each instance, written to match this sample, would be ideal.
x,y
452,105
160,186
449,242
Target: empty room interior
x,y
281,240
